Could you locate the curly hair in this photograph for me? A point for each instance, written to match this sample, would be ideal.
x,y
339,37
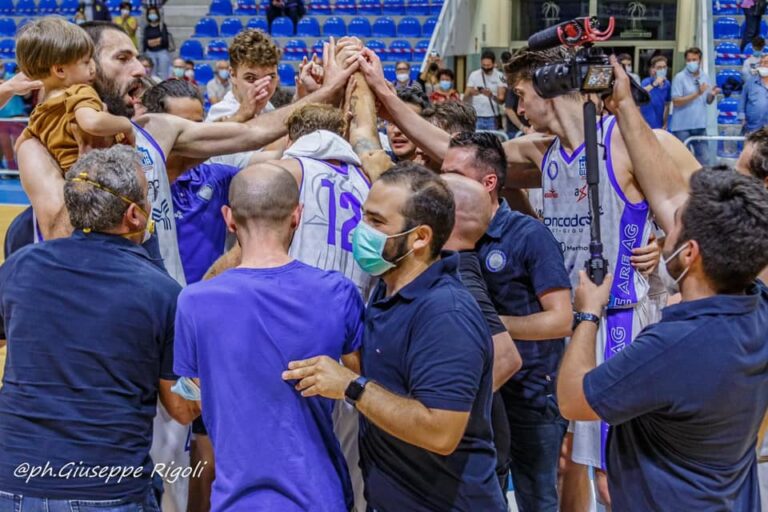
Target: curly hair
x,y
758,164
253,47
522,65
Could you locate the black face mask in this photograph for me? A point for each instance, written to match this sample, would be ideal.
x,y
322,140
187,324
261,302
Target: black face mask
x,y
487,70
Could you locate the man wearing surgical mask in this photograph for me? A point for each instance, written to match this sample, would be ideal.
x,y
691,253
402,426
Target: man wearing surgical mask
x,y
220,84
753,102
751,62
656,112
692,92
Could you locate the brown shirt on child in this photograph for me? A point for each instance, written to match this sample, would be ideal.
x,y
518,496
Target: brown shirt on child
x,y
50,122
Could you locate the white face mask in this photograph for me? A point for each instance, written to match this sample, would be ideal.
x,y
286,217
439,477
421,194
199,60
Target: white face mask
x,y
762,71
673,256
402,77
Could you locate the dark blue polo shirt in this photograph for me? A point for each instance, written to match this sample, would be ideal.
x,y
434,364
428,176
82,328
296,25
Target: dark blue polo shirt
x,y
89,324
430,342
198,196
686,399
522,260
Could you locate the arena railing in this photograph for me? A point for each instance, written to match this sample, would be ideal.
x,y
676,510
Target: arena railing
x,y
728,146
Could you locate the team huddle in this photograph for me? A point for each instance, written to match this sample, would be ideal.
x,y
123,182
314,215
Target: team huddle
x,y
348,326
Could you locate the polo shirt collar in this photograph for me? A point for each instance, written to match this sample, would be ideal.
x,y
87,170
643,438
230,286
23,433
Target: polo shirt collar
x,y
498,223
716,305
114,240
447,264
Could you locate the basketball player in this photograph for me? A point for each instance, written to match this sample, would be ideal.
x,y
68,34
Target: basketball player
x,y
557,163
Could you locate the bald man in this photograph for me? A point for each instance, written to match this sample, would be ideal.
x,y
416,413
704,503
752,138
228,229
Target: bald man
x,y
473,215
263,432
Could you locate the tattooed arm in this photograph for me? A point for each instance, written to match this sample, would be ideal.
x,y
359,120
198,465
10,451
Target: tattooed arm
x,y
361,105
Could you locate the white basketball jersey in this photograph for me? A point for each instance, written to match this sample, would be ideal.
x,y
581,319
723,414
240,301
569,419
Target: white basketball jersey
x,y
623,225
332,196
153,163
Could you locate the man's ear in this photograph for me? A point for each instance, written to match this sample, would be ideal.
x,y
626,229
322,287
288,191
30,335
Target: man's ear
x,y
57,70
424,236
229,219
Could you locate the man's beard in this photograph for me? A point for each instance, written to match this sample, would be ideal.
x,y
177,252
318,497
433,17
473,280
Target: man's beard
x,y
111,95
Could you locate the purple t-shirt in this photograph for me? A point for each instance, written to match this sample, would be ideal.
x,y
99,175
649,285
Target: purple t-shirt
x,y
275,450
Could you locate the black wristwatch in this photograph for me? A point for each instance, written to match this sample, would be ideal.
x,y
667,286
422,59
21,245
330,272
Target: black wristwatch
x,y
579,317
355,390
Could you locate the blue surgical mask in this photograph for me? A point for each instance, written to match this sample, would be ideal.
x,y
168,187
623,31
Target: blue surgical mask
x,y
153,17
223,74
757,53
446,85
368,249
661,73
692,67
178,72
186,388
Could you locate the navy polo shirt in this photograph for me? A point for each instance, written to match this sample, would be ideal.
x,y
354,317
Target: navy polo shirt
x,y
685,401
653,112
430,342
198,196
89,324
522,260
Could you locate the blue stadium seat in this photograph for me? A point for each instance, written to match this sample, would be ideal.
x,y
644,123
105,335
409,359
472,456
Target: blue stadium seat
x,y
68,7
435,6
258,24
415,71
334,26
421,49
114,7
399,50
308,27
384,27
369,7
206,27
429,26
7,49
22,22
220,8
246,8
47,7
747,50
409,27
264,5
724,74
728,111
217,50
136,7
203,73
728,54
295,49
191,50
727,28
389,73
317,48
6,7
7,27
345,7
230,27
322,7
282,27
377,46
287,75
26,8
359,27
417,8
10,67
720,7
393,7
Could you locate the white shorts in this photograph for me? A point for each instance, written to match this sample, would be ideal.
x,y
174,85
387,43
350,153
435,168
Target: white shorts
x,y
587,447
346,424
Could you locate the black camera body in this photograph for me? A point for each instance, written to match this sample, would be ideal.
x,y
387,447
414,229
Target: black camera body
x,y
588,71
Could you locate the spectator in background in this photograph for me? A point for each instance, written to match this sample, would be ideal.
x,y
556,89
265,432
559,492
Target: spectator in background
x,y
149,68
156,42
220,85
403,77
189,71
486,90
751,62
128,22
178,68
445,90
95,10
753,101
294,9
428,78
401,146
753,13
80,17
658,86
625,60
691,93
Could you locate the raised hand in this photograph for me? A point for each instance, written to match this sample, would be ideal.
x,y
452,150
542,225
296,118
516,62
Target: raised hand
x,y
337,73
370,65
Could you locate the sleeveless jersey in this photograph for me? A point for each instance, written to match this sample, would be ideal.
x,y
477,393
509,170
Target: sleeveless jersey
x,y
332,196
623,225
159,192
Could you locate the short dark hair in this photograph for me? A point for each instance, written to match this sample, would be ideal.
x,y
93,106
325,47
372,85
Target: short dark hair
x,y
96,29
758,43
126,4
414,95
656,60
447,72
489,152
505,56
727,215
694,51
758,164
488,54
430,202
523,64
155,100
452,116
623,56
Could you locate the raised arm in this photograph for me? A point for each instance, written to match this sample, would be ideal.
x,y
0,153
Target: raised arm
x,y
102,124
363,136
18,85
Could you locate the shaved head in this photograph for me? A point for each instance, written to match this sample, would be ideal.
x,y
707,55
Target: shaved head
x,y
473,211
263,194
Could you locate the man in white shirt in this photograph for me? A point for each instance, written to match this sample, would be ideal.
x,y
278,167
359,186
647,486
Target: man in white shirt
x,y
486,91
219,85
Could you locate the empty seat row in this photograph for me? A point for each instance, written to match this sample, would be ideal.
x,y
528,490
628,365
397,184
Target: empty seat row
x,y
729,28
370,7
30,8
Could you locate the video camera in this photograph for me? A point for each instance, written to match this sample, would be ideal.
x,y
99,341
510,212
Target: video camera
x,y
588,70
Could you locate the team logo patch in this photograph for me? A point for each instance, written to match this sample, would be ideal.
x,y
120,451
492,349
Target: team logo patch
x,y
205,193
495,261
551,194
146,158
583,166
